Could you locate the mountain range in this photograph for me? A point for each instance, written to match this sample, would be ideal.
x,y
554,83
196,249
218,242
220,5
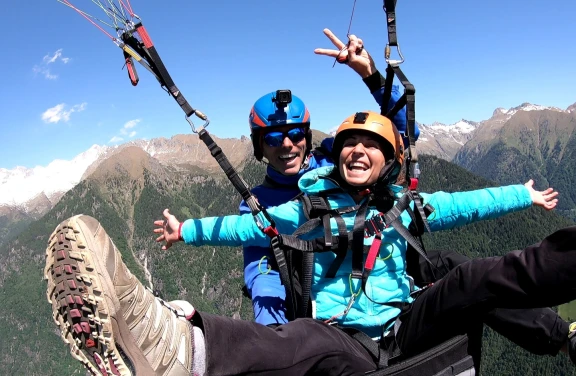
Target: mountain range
x,y
33,191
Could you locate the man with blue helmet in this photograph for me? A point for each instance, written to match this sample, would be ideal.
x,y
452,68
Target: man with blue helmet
x,y
280,131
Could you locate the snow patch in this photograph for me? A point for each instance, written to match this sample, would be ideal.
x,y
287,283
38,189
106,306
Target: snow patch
x,y
20,185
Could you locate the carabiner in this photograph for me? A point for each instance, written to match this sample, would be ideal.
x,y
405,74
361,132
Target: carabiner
x,y
201,116
387,55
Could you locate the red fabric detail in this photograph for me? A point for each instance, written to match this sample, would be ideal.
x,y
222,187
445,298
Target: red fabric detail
x,y
372,253
145,37
90,343
365,192
270,231
413,184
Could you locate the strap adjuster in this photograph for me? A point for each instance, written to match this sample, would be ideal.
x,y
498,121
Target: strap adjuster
x,y
270,231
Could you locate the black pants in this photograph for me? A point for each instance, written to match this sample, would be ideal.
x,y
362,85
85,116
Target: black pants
x,y
542,275
538,330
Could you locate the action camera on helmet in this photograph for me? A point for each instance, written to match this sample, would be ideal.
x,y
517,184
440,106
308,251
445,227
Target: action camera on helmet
x,y
282,98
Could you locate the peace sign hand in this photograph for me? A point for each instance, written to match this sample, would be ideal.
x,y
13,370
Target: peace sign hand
x,y
353,54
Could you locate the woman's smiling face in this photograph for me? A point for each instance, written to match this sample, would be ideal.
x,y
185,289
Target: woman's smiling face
x,y
361,160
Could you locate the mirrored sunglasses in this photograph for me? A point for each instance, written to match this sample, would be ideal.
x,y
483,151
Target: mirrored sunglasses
x,y
275,139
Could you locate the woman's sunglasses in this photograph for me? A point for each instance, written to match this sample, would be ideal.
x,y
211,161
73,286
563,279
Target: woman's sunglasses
x,y
275,139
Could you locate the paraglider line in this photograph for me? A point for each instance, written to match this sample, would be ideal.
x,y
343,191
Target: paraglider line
x,y
88,18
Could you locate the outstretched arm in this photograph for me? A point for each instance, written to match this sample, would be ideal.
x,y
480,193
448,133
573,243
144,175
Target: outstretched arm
x,y
231,230
461,208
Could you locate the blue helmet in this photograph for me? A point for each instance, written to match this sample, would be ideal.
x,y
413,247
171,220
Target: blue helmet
x,y
275,109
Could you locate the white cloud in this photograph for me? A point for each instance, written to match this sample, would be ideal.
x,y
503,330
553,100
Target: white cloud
x,y
45,72
60,113
44,69
126,131
131,123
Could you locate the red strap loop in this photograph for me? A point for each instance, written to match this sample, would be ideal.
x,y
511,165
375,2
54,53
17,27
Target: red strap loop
x,y
270,231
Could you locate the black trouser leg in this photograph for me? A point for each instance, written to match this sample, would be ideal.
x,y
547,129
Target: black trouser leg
x,y
538,330
542,275
301,347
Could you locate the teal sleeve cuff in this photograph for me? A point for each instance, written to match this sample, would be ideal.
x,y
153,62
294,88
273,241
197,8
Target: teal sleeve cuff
x,y
189,233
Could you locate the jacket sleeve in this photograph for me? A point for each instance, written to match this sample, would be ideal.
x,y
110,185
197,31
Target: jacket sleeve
x,y
461,208
236,230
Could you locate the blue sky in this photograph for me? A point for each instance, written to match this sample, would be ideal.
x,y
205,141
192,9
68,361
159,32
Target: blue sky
x,y
63,88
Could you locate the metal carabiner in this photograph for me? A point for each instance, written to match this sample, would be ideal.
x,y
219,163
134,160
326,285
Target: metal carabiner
x,y
200,115
387,55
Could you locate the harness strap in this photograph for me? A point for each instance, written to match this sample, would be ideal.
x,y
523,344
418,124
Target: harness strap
x,y
162,72
390,9
308,226
358,240
222,160
306,283
342,247
283,270
379,355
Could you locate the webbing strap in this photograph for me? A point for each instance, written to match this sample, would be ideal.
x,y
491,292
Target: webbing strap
x,y
390,9
307,226
421,211
162,72
146,49
230,172
379,355
342,247
284,272
358,240
306,281
408,99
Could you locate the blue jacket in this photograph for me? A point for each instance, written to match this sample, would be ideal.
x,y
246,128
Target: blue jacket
x,y
263,284
388,281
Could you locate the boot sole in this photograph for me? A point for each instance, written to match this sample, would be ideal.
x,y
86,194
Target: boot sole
x,y
79,308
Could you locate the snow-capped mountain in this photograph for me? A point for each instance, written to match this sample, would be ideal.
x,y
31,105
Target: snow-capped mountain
x,y
21,187
445,141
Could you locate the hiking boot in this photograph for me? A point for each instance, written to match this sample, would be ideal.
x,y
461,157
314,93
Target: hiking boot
x,y
112,323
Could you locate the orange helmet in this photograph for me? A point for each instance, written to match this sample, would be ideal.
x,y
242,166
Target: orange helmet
x,y
381,126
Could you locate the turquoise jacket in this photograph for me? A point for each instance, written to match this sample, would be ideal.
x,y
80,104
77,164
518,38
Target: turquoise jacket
x,y
388,281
